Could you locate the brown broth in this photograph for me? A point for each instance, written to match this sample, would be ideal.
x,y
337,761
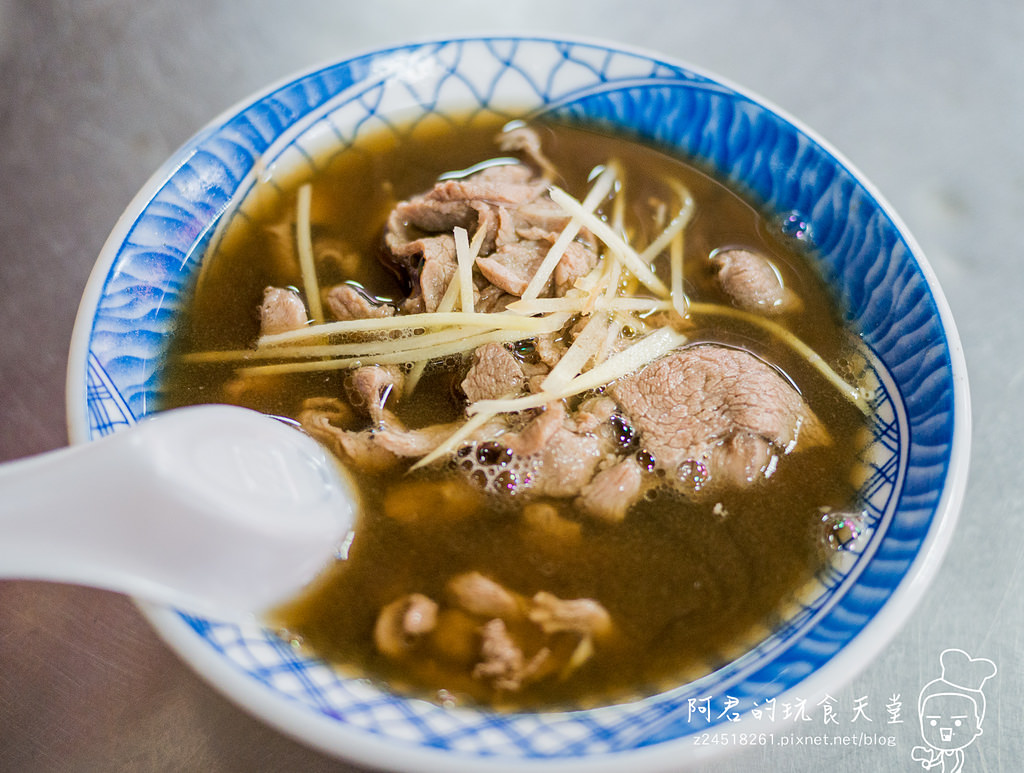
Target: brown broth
x,y
688,587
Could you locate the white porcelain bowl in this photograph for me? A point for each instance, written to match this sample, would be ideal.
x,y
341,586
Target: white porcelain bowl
x,y
917,461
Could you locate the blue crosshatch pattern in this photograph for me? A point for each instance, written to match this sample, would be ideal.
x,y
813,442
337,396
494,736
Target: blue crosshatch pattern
x,y
859,248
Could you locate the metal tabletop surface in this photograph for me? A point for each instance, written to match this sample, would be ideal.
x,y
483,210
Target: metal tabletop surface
x,y
927,99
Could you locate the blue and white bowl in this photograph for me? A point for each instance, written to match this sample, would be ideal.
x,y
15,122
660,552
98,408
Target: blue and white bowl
x,y
915,465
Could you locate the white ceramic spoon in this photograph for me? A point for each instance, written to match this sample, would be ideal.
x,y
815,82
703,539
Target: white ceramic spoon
x,y
214,509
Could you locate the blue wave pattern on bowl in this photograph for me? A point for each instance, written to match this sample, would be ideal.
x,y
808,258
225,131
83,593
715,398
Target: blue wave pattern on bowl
x,y
717,127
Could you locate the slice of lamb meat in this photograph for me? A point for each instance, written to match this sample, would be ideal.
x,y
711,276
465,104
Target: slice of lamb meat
x,y
697,408
497,201
567,462
379,448
585,617
334,409
355,448
562,458
328,419
411,443
466,203
513,265
545,215
752,282
506,184
365,452
548,530
502,662
439,266
432,215
492,299
431,263
439,247
532,438
611,491
495,373
347,301
594,412
501,230
282,310
370,386
551,347
576,262
480,595
525,140
743,459
403,623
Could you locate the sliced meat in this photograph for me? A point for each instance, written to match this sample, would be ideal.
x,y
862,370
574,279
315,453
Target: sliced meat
x,y
502,203
594,413
403,623
468,203
743,459
371,386
543,214
752,281
439,266
417,500
611,491
700,406
582,616
550,348
480,595
282,310
562,457
333,409
411,443
505,184
430,263
492,299
549,530
525,140
379,448
362,450
348,301
576,262
513,265
431,215
534,436
328,419
567,463
502,662
495,373
503,638
488,221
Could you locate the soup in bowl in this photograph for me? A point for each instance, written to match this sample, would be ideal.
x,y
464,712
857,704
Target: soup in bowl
x,y
653,408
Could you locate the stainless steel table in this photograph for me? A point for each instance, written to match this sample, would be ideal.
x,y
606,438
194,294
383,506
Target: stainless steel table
x,y
926,98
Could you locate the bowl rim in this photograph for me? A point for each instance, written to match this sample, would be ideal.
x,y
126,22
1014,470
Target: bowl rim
x,y
344,741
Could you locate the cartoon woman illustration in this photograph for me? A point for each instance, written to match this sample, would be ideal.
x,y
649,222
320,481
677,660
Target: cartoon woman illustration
x,y
952,709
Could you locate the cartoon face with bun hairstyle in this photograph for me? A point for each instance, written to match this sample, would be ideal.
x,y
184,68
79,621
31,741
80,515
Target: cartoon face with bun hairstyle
x,y
952,709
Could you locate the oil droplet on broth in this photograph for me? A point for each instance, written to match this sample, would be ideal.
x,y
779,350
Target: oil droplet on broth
x,y
841,530
795,226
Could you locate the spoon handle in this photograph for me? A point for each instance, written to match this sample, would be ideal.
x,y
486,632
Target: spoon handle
x,y
214,508
62,513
